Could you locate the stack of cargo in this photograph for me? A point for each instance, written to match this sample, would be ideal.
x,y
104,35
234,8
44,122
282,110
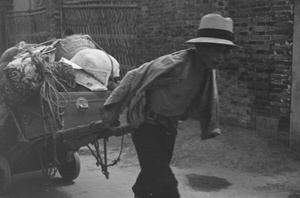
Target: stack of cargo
x,y
65,65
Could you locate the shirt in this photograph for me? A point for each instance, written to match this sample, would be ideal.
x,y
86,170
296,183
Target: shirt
x,y
162,71
174,98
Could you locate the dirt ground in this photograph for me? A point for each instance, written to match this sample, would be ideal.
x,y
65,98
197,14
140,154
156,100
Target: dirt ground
x,y
241,163
238,156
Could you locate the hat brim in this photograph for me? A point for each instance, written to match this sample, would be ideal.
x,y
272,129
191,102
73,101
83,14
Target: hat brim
x,y
211,40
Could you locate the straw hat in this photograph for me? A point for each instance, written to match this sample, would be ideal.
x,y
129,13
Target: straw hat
x,y
214,28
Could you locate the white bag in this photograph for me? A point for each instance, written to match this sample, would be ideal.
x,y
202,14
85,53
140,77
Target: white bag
x,y
97,63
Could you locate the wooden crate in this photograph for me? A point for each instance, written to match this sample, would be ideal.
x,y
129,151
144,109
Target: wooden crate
x,y
81,108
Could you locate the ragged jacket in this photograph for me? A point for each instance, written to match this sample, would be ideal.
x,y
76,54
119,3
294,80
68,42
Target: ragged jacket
x,y
161,71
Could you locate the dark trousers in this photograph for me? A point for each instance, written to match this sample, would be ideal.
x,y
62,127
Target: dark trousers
x,y
155,149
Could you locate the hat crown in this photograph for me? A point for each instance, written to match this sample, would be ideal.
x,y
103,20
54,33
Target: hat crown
x,y
216,21
215,28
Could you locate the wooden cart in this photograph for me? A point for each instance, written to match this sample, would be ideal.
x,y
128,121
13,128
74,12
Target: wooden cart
x,y
40,147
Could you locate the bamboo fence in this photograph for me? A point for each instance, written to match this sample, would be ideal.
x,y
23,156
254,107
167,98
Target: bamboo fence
x,y
28,26
112,25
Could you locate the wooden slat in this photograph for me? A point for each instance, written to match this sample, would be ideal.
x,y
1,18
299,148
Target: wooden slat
x,y
111,26
24,14
98,6
31,27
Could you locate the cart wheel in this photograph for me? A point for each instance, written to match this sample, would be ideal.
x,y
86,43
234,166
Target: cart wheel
x,y
5,175
69,168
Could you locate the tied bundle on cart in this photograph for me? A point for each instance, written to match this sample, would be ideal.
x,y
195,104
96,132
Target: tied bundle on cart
x,y
50,106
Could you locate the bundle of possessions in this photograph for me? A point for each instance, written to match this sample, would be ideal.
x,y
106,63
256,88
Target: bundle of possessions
x,y
49,69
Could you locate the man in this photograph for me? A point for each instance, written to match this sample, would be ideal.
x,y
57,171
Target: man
x,y
160,92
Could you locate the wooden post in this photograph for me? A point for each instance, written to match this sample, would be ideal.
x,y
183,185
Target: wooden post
x,y
4,6
295,94
53,11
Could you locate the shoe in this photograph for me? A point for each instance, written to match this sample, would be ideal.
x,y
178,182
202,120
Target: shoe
x,y
213,134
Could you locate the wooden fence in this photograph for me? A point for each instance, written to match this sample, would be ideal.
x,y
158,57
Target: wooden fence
x,y
112,25
28,26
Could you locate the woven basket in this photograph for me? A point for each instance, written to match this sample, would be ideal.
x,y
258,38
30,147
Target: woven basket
x,y
70,45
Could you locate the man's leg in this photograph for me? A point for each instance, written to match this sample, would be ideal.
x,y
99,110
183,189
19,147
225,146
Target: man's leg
x,y
156,178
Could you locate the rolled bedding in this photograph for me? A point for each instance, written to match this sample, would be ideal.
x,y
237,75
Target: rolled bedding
x,y
23,78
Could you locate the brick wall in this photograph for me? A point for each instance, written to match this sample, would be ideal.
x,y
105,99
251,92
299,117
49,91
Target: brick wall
x,y
254,82
164,26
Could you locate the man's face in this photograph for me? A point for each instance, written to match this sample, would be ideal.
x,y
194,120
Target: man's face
x,y
220,52
212,54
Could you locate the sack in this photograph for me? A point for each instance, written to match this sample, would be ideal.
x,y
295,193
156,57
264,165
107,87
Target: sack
x,y
70,45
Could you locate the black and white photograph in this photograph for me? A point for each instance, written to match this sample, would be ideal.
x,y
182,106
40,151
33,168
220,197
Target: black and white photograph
x,y
149,99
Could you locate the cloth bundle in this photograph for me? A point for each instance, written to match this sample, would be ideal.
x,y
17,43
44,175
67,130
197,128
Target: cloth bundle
x,y
29,71
10,54
22,79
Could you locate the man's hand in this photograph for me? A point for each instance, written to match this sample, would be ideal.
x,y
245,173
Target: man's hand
x,y
109,121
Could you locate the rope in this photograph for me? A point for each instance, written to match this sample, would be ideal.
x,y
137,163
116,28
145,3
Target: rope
x,y
120,153
99,159
56,100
